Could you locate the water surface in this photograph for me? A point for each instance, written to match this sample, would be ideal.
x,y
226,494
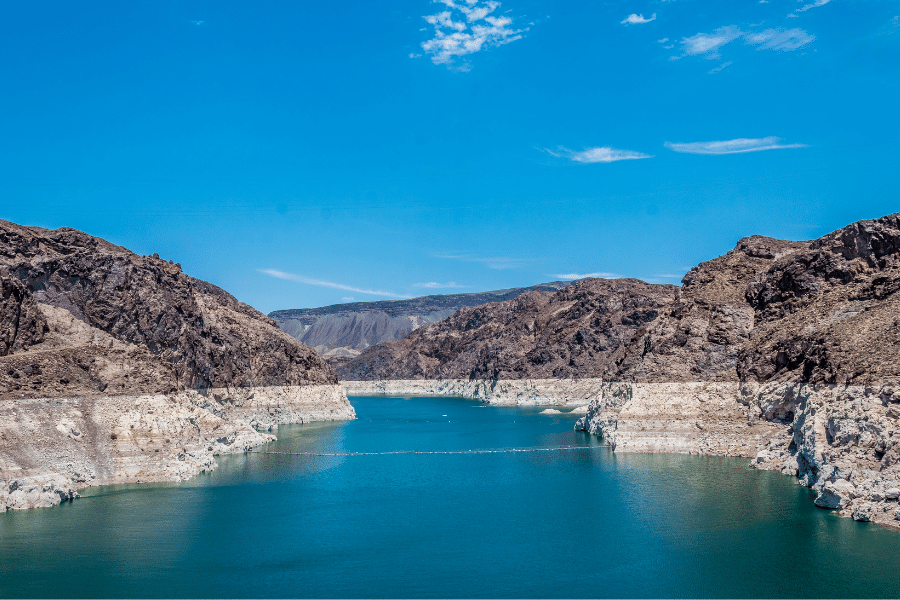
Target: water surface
x,y
578,523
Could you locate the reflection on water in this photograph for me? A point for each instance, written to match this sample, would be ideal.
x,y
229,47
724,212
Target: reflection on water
x,y
548,524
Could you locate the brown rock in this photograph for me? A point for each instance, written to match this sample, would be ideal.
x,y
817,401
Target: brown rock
x,y
582,330
93,317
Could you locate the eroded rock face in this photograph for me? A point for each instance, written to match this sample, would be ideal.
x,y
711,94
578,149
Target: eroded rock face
x,y
22,324
50,447
182,333
699,336
829,313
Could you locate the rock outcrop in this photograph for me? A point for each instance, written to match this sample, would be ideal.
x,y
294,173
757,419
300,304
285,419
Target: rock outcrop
x,y
341,331
119,368
22,324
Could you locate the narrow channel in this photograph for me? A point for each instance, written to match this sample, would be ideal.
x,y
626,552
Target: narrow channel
x,y
449,522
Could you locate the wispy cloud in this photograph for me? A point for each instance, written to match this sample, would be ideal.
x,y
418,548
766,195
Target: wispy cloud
x,y
735,146
468,27
806,7
348,298
603,154
433,285
328,284
491,262
724,65
571,276
708,45
634,19
784,40
669,275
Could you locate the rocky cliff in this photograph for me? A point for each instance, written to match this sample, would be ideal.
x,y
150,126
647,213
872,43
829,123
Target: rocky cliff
x,y
116,367
342,331
785,352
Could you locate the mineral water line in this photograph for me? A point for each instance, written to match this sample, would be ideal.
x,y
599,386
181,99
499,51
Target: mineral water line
x,y
491,451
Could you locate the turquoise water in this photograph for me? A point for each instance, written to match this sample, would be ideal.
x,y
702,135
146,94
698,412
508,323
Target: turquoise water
x,y
576,523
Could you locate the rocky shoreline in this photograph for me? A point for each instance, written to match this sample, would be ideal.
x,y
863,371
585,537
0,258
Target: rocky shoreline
x,y
841,441
52,447
507,392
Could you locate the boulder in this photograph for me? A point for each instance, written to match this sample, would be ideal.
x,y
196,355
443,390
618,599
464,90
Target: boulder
x,y
836,494
864,512
36,492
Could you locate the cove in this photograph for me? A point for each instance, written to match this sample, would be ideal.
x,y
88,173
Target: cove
x,y
585,523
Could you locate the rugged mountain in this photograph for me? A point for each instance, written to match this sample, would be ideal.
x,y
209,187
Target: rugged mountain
x,y
700,335
787,352
829,312
579,331
768,310
195,335
342,331
618,330
106,355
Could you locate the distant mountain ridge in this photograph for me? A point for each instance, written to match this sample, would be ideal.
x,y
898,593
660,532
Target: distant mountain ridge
x,y
344,330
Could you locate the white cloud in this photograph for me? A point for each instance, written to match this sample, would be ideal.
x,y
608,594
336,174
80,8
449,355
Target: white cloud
x,y
197,22
603,154
491,262
806,7
433,285
634,19
348,298
570,276
709,44
724,65
784,40
337,286
445,20
735,146
474,30
663,41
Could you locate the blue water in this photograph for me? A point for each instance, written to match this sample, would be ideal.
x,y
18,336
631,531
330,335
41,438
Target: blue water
x,y
576,523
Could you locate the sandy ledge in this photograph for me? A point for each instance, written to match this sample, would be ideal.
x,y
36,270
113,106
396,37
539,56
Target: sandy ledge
x,y
52,447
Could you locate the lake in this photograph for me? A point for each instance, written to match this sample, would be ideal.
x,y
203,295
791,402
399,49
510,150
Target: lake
x,y
571,523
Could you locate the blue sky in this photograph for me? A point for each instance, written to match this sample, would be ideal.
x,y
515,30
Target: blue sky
x,y
300,154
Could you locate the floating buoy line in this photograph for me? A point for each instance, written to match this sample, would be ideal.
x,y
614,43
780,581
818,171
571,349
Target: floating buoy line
x,y
485,451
